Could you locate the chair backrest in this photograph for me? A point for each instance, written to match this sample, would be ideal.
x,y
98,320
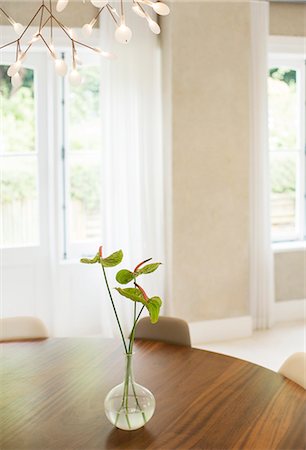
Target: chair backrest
x,y
167,329
22,328
294,368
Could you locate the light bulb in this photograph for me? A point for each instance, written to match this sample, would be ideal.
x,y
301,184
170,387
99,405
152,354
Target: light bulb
x,y
161,8
18,28
75,78
16,80
87,29
123,34
34,38
138,11
72,33
108,55
61,5
22,56
14,68
60,67
154,26
99,3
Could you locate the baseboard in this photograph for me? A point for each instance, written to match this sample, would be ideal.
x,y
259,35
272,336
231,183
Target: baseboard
x,y
220,330
290,310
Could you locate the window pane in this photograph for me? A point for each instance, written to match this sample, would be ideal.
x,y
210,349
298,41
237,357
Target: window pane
x,y
19,201
85,195
84,112
17,112
283,109
283,195
84,162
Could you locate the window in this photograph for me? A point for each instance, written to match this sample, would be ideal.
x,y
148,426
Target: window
x,y
19,161
82,162
35,150
286,90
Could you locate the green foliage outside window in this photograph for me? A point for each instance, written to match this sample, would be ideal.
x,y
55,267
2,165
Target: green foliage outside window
x,y
84,117
85,186
285,75
17,113
283,176
18,186
17,108
282,128
282,109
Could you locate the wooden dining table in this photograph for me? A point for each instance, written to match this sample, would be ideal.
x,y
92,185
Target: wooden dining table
x,y
52,395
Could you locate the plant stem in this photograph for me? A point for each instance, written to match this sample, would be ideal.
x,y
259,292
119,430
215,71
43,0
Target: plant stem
x,y
114,308
137,402
132,335
134,312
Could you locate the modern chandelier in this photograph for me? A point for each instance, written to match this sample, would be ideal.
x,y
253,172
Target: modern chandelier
x,y
45,16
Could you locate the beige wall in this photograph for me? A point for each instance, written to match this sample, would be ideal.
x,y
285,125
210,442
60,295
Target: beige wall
x,y
291,275
75,14
209,73
288,19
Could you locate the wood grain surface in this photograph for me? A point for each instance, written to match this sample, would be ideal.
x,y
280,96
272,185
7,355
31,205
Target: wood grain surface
x,y
52,395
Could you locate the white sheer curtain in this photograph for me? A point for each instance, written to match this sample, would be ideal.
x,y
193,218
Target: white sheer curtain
x,y
132,184
261,257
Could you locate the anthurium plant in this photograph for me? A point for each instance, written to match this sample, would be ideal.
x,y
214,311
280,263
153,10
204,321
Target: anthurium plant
x,y
136,294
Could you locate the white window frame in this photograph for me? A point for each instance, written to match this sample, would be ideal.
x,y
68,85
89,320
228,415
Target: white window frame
x,y
71,250
290,51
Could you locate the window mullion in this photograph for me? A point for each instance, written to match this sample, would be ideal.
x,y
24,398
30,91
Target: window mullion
x,y
64,162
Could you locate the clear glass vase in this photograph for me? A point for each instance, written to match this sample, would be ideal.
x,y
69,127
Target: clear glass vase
x,y
129,405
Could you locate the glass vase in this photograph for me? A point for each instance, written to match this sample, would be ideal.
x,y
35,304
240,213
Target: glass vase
x,y
129,405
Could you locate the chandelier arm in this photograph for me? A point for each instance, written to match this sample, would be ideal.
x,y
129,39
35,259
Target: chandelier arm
x,y
111,13
46,44
73,55
26,50
9,43
41,16
31,21
51,23
94,20
143,10
94,49
145,2
122,11
45,23
17,49
58,22
9,18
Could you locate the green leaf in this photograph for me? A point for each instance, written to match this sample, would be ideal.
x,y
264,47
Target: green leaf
x,y
125,276
133,294
149,268
153,306
91,261
113,260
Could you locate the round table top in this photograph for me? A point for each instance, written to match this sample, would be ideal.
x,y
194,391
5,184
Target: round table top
x,y
52,395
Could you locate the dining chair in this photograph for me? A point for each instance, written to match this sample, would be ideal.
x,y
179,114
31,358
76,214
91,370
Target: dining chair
x,y
167,329
22,328
294,368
